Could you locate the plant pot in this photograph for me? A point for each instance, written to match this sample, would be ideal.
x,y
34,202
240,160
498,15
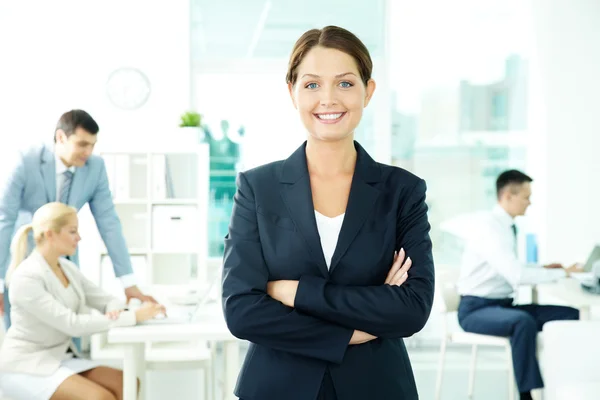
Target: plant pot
x,y
192,135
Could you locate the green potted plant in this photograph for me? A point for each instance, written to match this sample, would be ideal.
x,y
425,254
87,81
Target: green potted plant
x,y
191,124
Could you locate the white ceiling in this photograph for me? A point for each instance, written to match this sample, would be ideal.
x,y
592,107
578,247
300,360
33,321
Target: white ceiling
x,y
234,29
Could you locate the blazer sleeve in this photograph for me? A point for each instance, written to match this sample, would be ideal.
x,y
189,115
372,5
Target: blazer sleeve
x,y
28,292
11,192
109,225
96,297
384,311
250,313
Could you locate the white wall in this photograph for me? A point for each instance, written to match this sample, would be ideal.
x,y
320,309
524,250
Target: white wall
x,y
57,55
567,140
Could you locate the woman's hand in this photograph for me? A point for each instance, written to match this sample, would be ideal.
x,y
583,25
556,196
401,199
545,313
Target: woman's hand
x,y
112,315
359,337
283,291
399,271
148,311
396,277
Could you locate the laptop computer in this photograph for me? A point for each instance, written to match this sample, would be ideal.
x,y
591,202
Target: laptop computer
x,y
594,256
591,287
588,278
182,315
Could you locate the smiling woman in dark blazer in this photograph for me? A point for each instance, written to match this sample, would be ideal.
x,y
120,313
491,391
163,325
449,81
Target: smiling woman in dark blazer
x,y
316,267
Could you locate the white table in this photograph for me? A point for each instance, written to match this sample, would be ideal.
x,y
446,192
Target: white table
x,y
569,291
209,328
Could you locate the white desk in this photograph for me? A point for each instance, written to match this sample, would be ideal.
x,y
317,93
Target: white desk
x,y
589,391
569,291
211,328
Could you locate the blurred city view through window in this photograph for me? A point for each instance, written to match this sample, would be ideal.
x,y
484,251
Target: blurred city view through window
x,y
452,85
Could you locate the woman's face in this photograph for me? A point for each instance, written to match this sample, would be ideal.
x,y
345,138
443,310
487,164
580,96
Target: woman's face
x,y
329,94
65,242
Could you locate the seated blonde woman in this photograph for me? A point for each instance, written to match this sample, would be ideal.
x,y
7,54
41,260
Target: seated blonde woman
x,y
51,302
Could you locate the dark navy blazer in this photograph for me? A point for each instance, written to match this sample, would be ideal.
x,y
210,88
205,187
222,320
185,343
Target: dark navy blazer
x,y
273,235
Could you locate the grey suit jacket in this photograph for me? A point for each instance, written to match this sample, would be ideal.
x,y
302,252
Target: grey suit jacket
x,y
42,325
31,182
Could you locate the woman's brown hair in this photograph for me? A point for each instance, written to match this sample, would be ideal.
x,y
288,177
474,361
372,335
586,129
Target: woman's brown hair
x,y
331,37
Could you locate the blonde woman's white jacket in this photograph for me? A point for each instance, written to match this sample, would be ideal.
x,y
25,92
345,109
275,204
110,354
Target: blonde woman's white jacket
x,y
42,325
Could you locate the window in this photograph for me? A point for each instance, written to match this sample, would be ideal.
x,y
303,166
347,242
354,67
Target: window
x,y
451,103
459,103
239,56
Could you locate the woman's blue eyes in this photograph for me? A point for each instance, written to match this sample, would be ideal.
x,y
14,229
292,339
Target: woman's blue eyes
x,y
344,85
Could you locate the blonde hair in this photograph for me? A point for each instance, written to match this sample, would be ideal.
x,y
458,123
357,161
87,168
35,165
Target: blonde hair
x,y
51,216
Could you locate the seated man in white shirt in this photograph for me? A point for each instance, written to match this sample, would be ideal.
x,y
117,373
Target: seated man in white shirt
x,y
490,274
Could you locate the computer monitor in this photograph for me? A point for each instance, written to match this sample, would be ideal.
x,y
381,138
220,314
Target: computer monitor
x,y
594,256
186,317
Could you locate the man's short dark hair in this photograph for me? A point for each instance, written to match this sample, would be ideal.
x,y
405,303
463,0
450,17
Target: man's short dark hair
x,y
74,119
510,177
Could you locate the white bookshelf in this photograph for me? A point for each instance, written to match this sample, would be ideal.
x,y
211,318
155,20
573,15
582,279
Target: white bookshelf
x,y
161,197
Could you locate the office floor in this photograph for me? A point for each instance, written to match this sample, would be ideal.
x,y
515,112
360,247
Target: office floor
x,y
490,384
491,380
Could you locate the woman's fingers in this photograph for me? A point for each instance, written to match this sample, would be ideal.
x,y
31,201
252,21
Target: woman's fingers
x,y
398,259
402,273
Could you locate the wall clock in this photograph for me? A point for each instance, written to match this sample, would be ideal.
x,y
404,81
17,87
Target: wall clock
x,y
128,88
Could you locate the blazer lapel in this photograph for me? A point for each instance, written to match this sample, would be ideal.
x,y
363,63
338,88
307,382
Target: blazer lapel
x,y
74,282
48,169
53,283
360,202
297,196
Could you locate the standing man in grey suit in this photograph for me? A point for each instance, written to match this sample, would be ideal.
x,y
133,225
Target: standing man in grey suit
x,y
68,173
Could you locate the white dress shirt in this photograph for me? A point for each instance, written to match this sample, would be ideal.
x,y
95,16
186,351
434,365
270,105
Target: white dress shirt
x,y
490,267
329,232
60,167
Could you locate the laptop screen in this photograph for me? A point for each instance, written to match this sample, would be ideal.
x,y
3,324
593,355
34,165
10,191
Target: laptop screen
x,y
594,256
